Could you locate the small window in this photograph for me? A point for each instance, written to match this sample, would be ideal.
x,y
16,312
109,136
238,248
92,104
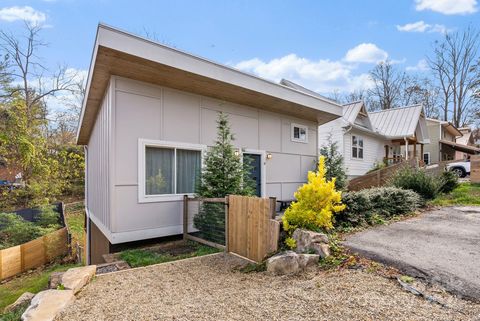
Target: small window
x,y
426,158
168,169
357,147
299,133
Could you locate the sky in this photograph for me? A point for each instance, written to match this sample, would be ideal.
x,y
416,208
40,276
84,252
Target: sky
x,y
324,45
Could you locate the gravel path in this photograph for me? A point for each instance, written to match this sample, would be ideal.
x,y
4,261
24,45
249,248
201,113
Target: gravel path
x,y
206,288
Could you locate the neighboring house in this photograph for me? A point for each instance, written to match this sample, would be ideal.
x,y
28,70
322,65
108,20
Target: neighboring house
x,y
368,138
149,116
467,140
9,173
443,136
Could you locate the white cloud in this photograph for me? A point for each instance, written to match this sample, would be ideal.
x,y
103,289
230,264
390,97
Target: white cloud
x,y
323,76
367,53
422,65
448,7
421,26
25,13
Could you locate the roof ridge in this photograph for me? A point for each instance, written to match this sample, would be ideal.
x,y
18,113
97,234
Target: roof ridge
x,y
395,108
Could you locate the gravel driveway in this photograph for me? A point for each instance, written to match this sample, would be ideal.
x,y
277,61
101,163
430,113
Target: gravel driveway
x,y
442,246
209,288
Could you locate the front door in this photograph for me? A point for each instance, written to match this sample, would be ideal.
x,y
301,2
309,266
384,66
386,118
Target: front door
x,y
255,171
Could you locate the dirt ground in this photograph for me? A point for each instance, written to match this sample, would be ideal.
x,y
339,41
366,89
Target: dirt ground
x,y
212,288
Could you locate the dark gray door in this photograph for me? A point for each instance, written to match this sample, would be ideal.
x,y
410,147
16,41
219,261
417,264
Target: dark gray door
x,y
255,171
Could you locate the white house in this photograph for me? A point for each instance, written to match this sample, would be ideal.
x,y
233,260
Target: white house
x,y
368,138
150,108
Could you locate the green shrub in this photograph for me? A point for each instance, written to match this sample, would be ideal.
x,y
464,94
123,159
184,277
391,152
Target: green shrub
x,y
374,205
14,230
417,180
449,181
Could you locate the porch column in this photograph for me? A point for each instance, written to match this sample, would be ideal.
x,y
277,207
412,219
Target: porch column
x,y
415,150
421,152
406,149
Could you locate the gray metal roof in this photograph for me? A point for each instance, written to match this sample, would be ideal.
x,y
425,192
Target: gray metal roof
x,y
351,110
397,122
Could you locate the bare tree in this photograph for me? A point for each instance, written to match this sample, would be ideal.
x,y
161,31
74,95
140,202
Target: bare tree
x,y
422,91
26,70
454,66
388,85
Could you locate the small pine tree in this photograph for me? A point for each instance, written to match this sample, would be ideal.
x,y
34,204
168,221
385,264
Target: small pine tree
x,y
334,164
224,174
316,202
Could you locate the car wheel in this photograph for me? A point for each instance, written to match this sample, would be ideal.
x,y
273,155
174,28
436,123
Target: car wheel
x,y
460,172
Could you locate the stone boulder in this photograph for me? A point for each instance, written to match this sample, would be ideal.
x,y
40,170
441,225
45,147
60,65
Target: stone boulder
x,y
46,305
309,241
290,262
23,299
76,278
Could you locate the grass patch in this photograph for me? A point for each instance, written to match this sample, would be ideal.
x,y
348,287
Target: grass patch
x,y
15,315
75,220
33,282
465,194
144,257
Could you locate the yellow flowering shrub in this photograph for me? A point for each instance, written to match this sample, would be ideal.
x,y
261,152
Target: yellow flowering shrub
x,y
316,202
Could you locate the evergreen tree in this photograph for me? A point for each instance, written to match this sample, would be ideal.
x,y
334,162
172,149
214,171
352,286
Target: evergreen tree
x,y
223,174
334,164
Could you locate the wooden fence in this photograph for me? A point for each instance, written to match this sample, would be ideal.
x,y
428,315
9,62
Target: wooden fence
x,y
379,177
249,228
251,231
21,258
475,168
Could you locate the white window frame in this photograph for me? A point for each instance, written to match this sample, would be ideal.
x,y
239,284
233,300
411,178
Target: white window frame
x,y
142,145
358,147
297,140
429,159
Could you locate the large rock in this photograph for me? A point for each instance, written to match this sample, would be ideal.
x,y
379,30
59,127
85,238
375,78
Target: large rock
x,y
46,305
76,278
23,299
290,262
309,241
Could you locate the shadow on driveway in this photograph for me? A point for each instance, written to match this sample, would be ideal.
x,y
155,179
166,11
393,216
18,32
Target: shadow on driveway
x,y
441,246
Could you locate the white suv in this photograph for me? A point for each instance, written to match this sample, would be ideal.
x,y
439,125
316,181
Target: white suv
x,y
461,168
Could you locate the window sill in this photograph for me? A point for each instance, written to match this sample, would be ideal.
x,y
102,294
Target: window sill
x,y
162,198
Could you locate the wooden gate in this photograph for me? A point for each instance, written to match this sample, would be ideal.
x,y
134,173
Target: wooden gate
x,y
251,231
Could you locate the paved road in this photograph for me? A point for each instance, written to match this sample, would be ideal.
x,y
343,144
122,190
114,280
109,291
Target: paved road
x,y
442,246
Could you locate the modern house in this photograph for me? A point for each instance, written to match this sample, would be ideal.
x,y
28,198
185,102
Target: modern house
x,y
150,114
443,137
467,140
368,138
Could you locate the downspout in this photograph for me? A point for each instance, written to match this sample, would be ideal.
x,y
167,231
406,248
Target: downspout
x,y
87,250
406,147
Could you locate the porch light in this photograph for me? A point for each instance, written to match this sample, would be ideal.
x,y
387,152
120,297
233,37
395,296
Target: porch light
x,y
269,156
237,152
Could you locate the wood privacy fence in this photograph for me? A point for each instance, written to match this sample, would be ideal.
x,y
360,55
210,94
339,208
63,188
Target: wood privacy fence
x,y
379,177
21,258
475,168
249,229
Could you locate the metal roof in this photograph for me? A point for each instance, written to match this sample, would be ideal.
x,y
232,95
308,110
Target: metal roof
x,y
351,110
397,122
304,90
461,147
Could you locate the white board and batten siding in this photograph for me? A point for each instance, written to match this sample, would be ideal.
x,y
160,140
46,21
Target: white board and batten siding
x,y
98,171
143,111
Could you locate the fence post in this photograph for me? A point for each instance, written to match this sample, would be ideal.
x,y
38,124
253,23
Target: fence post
x,y
185,217
227,249
273,207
